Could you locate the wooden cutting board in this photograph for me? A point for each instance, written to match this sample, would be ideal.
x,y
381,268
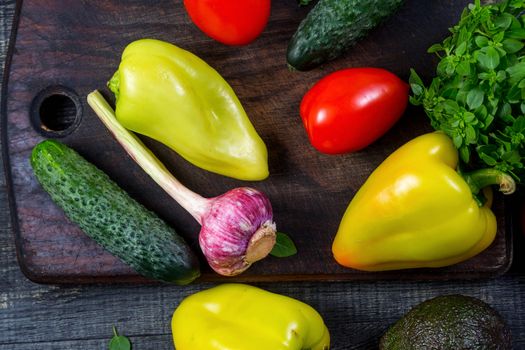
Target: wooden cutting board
x,y
66,48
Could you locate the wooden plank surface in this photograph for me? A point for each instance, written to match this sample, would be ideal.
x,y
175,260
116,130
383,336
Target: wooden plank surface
x,y
309,191
80,317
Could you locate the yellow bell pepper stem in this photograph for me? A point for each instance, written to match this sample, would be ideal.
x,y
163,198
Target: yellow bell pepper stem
x,y
415,210
242,317
479,179
174,97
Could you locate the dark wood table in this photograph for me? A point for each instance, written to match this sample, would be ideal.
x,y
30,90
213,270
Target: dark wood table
x,y
36,316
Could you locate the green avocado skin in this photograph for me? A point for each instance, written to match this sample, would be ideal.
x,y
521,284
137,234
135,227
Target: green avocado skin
x,y
111,217
332,27
452,322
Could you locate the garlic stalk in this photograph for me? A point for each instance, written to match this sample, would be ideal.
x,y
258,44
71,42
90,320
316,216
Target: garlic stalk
x,y
237,228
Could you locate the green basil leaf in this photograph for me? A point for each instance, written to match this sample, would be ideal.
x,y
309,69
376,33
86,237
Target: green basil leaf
x,y
475,98
450,106
514,94
498,37
458,140
470,118
504,21
512,45
414,78
446,67
119,342
464,154
461,49
481,41
461,97
511,156
501,76
415,100
482,112
488,159
417,89
470,135
435,48
490,59
519,124
488,121
463,68
518,34
284,246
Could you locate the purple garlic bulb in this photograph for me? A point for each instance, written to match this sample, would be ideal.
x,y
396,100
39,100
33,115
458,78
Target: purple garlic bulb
x,y
237,230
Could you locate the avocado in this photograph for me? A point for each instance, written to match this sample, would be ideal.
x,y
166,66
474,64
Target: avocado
x,y
454,322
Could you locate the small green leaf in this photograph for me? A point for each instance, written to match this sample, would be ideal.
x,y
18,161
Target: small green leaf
x,y
470,135
481,41
464,154
514,94
415,100
516,73
284,246
463,68
475,98
119,342
435,48
511,157
519,124
504,21
488,121
518,34
446,67
450,106
501,76
414,78
458,140
417,89
461,49
470,118
488,159
490,58
505,110
512,45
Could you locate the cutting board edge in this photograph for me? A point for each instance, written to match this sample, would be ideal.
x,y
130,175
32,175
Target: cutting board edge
x,y
3,137
32,274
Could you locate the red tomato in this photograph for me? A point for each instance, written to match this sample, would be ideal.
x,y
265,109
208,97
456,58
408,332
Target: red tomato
x,y
231,22
351,108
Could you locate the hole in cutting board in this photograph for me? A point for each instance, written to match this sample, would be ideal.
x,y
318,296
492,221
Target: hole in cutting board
x,y
56,111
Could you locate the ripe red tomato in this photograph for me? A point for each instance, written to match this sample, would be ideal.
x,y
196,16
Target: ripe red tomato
x,y
231,22
351,108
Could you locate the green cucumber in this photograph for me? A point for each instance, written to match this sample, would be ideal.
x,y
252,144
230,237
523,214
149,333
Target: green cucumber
x,y
332,27
107,214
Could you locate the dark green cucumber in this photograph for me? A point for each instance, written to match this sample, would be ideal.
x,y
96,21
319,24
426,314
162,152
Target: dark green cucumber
x,y
333,26
111,217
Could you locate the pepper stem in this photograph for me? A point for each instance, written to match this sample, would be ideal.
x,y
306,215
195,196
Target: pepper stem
x,y
114,84
194,204
479,179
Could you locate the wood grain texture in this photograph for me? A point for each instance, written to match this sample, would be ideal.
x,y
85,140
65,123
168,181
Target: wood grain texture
x,y
77,44
52,317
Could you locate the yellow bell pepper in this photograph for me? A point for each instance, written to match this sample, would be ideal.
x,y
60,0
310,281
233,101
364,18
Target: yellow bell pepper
x,y
174,97
416,210
242,317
